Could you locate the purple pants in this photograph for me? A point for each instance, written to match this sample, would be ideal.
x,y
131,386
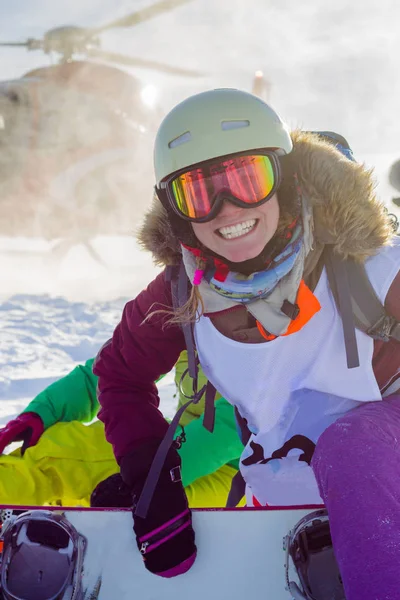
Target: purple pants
x,y
357,467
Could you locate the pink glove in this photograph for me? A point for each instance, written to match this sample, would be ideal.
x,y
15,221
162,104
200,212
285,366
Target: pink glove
x,y
28,428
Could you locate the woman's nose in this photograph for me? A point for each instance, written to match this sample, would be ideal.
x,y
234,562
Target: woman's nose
x,y
228,208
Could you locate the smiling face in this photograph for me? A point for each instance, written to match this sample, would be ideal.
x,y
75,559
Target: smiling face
x,y
239,234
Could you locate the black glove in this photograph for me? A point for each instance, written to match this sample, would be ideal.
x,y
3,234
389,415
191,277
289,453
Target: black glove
x,y
165,537
111,493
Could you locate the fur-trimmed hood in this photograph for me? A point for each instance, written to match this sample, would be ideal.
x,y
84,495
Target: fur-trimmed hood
x,y
346,210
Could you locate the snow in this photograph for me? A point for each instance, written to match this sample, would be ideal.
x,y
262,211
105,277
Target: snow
x,y
55,314
115,267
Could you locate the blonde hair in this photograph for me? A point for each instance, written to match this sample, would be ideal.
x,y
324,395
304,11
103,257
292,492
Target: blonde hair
x,y
190,312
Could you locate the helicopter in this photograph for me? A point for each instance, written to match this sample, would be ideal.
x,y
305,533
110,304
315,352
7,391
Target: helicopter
x,y
76,137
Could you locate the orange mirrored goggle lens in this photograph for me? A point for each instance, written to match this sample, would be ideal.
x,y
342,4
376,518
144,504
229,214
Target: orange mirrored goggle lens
x,y
249,179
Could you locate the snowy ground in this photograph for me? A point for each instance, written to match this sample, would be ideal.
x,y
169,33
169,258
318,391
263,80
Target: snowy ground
x,y
56,313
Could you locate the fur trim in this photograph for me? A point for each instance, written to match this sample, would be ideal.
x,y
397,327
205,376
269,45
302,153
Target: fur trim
x,y
157,237
346,209
347,212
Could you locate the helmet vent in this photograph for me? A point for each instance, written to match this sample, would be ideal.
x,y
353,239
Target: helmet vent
x,y
181,139
227,125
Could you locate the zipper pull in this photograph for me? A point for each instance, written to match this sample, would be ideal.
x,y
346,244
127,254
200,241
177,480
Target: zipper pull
x,y
143,547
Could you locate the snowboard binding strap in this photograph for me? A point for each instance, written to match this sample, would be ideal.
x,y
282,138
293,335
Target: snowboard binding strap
x,y
309,548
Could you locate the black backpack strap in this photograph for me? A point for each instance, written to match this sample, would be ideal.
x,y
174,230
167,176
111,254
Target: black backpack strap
x,y
153,475
180,294
358,304
238,484
237,491
351,286
339,283
369,313
337,140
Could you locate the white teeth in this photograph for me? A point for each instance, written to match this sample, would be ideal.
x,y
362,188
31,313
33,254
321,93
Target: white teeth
x,y
238,230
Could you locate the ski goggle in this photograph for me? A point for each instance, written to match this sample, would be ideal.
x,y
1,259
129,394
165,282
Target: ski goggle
x,y
247,180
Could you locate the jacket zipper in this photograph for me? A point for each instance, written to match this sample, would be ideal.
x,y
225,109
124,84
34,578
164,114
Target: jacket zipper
x,y
144,548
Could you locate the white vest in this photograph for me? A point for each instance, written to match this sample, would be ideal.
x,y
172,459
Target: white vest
x,y
291,389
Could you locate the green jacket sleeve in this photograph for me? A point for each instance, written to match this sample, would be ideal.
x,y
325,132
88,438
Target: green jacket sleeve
x,y
205,452
71,398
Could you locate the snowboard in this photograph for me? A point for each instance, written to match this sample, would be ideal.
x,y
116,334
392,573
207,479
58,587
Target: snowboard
x,y
240,554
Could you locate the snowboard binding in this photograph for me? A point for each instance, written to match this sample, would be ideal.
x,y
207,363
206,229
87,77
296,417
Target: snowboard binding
x,y
309,547
42,557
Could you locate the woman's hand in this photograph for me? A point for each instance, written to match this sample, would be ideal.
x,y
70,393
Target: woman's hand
x,y
165,537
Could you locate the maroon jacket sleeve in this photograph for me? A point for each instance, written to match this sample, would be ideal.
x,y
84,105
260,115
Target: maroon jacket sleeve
x,y
129,363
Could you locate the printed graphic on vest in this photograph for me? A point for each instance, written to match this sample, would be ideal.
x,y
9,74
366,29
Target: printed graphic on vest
x,y
276,463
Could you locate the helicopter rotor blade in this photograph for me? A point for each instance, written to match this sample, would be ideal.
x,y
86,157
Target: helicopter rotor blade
x,y
30,43
14,44
143,63
140,16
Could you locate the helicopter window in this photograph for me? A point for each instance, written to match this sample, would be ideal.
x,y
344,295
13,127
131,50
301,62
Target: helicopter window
x,y
14,97
15,117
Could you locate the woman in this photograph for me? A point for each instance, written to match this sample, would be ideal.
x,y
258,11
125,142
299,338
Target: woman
x,y
249,208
